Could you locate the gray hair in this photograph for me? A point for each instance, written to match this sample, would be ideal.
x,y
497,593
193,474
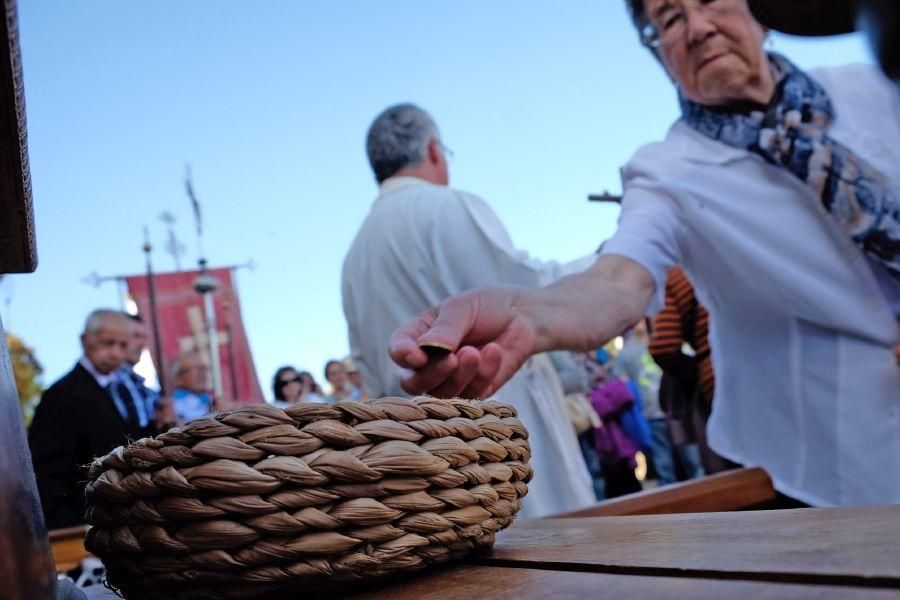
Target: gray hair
x,y
398,137
98,319
175,367
640,20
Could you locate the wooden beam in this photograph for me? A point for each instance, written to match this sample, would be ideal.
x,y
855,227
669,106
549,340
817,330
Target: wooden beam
x,y
18,251
67,547
732,490
605,197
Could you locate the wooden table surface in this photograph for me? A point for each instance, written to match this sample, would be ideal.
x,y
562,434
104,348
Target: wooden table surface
x,y
809,553
791,554
483,583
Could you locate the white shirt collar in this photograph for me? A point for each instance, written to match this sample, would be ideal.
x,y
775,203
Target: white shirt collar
x,y
392,184
102,380
696,147
128,371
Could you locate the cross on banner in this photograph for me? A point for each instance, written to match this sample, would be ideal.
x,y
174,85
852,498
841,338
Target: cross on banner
x,y
198,340
182,327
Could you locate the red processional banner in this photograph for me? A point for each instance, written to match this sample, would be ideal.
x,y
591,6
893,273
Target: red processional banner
x,y
182,327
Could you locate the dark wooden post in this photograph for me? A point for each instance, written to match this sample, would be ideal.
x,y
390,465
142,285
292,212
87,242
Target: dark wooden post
x,y
18,251
26,568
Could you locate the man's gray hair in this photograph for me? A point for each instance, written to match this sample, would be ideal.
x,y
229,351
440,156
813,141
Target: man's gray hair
x,y
399,137
175,367
98,319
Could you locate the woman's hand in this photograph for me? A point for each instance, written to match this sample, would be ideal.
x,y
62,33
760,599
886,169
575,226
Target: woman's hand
x,y
485,335
482,337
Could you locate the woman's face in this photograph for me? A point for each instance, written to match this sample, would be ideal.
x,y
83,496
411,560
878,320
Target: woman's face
x,y
713,49
336,375
309,384
293,387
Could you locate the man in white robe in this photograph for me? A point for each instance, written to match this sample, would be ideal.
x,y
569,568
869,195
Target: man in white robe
x,y
424,241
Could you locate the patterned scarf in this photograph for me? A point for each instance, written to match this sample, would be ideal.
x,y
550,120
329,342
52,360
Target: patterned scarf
x,y
793,134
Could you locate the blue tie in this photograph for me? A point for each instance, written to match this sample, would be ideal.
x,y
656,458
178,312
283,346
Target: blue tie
x,y
121,391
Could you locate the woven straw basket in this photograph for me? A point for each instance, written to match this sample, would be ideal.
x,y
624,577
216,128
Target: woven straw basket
x,y
261,501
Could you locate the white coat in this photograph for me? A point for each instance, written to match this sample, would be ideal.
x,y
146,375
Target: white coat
x,y
422,243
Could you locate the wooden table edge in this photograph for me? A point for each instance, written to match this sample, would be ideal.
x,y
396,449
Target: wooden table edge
x,y
846,580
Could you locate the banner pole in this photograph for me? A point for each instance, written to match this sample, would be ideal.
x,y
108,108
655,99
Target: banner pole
x,y
205,285
232,365
154,317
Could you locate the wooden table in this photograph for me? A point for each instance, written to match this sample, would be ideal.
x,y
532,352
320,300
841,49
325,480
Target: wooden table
x,y
810,553
779,555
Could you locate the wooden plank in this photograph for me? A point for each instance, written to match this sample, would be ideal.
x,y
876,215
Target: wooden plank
x,y
852,546
489,583
732,490
18,251
67,547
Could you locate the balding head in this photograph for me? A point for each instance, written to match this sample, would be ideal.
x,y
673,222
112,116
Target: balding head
x,y
105,340
101,318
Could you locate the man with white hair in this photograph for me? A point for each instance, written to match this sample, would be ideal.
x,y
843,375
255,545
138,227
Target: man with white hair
x,y
191,399
424,241
85,414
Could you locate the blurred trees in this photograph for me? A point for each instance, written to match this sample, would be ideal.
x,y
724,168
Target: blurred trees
x,y
27,373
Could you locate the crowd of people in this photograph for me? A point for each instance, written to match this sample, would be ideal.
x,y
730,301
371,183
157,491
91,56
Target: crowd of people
x,y
763,233
290,385
634,408
102,403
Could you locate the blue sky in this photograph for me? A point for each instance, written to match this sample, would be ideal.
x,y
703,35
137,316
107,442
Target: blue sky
x,y
269,102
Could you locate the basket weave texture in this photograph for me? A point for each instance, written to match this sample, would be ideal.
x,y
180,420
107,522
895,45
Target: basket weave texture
x,y
259,500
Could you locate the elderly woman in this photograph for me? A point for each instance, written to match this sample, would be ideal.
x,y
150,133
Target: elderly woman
x,y
777,190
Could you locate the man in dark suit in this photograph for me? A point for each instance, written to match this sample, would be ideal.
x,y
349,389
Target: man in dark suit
x,y
85,414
